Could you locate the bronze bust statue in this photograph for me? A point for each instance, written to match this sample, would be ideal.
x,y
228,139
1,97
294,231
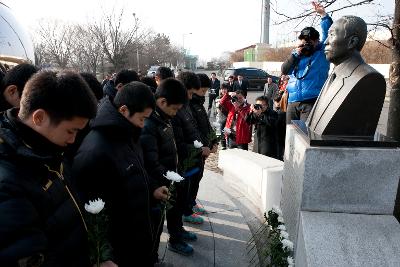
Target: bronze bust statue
x,y
351,100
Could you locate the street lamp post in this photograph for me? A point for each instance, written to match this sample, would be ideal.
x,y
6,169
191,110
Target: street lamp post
x,y
137,42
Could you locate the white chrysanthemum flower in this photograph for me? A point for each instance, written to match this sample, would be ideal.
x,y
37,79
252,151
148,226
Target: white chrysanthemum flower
x,y
173,176
284,234
290,261
216,124
94,206
280,219
227,130
281,227
287,244
197,144
277,210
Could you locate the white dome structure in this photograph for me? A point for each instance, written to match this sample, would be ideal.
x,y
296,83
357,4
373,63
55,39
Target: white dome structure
x,y
15,44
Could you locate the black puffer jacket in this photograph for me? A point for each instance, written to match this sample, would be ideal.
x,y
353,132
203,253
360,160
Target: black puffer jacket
x,y
265,136
203,123
39,217
159,148
109,165
185,131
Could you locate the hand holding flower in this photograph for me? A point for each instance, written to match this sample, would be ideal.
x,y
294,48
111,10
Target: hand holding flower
x,y
205,151
161,193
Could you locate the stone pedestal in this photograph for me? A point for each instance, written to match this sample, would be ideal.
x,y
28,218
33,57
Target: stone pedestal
x,y
352,180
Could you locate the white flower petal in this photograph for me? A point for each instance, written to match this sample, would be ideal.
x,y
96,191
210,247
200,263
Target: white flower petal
x,y
95,206
280,219
287,244
277,210
227,130
284,234
173,176
290,261
281,227
197,144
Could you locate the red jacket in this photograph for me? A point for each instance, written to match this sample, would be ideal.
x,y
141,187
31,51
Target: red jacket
x,y
243,129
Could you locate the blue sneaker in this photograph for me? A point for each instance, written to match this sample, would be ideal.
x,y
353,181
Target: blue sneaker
x,y
181,247
199,210
194,218
188,236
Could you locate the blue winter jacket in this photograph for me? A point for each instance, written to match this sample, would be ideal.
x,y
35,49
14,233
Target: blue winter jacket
x,y
304,87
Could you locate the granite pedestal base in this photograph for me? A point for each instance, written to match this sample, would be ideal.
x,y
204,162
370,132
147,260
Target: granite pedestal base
x,y
356,180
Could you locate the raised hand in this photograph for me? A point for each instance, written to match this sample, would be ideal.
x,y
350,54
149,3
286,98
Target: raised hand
x,y
319,8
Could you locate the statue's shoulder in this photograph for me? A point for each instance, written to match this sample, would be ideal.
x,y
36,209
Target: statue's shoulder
x,y
367,69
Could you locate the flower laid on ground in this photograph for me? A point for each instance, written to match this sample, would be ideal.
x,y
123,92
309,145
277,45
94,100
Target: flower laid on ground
x,y
197,144
277,210
279,249
290,261
281,227
284,235
100,249
287,244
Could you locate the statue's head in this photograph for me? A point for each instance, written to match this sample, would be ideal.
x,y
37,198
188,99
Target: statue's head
x,y
346,35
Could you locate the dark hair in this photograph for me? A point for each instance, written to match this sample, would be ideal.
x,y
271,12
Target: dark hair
x,y
309,33
231,77
164,73
62,95
173,91
204,80
189,80
262,98
240,92
18,76
94,84
136,96
126,76
150,82
213,73
225,86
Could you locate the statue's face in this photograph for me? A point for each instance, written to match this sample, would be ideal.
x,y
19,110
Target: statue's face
x,y
336,49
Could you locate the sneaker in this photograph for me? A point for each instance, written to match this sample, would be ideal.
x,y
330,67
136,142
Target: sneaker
x,y
199,210
188,236
194,218
181,247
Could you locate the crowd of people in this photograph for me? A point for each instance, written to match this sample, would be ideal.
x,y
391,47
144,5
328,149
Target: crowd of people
x,y
67,139
52,161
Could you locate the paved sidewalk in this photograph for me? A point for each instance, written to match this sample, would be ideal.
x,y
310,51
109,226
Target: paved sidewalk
x,y
222,239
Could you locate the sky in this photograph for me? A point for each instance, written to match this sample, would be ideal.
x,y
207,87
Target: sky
x,y
206,28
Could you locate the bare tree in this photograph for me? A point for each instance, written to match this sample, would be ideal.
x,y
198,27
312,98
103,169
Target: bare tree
x,y
56,39
115,39
86,53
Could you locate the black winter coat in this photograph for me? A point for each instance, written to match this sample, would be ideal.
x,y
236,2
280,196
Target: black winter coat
x,y
159,148
109,165
203,123
40,216
185,131
265,132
